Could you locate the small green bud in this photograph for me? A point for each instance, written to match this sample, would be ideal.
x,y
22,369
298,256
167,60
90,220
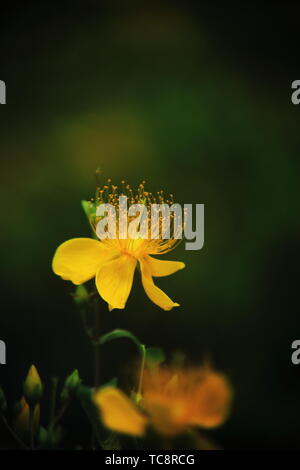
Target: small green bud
x,y
43,435
81,295
33,389
73,380
3,404
71,383
137,397
49,438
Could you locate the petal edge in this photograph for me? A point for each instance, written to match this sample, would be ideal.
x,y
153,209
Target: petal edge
x,y
154,293
78,259
114,280
161,268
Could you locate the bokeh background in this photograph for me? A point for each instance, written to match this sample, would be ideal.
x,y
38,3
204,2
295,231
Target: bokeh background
x,y
196,100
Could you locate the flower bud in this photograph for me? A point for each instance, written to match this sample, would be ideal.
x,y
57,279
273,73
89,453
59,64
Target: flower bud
x,y
22,418
33,388
81,295
71,383
50,438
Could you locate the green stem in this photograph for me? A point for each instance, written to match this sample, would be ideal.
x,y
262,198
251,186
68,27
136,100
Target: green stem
x,y
87,330
96,346
31,427
60,414
14,435
96,337
96,365
53,401
143,352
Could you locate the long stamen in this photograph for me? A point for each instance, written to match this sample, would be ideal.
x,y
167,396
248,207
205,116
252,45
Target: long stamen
x,y
157,219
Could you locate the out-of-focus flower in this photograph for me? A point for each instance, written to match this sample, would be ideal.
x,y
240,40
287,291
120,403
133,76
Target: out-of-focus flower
x,y
112,261
22,420
172,401
33,388
118,412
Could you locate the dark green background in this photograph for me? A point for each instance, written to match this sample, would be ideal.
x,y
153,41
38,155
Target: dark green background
x,y
196,101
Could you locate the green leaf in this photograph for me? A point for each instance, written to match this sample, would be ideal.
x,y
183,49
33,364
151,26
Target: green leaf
x,y
111,383
88,208
154,356
85,395
50,438
119,333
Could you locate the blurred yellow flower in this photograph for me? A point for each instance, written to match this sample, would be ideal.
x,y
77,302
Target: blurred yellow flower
x,y
113,261
172,401
118,412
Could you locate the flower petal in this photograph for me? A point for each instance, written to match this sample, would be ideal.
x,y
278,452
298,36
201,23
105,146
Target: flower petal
x,y
114,280
118,412
163,268
78,259
154,293
213,399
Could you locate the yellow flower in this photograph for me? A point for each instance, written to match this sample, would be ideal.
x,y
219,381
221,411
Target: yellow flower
x,y
113,261
172,401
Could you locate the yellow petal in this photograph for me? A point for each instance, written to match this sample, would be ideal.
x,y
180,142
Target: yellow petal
x,y
163,268
118,412
154,293
114,280
78,259
212,400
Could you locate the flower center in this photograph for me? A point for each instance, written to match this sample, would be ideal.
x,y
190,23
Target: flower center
x,y
153,227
